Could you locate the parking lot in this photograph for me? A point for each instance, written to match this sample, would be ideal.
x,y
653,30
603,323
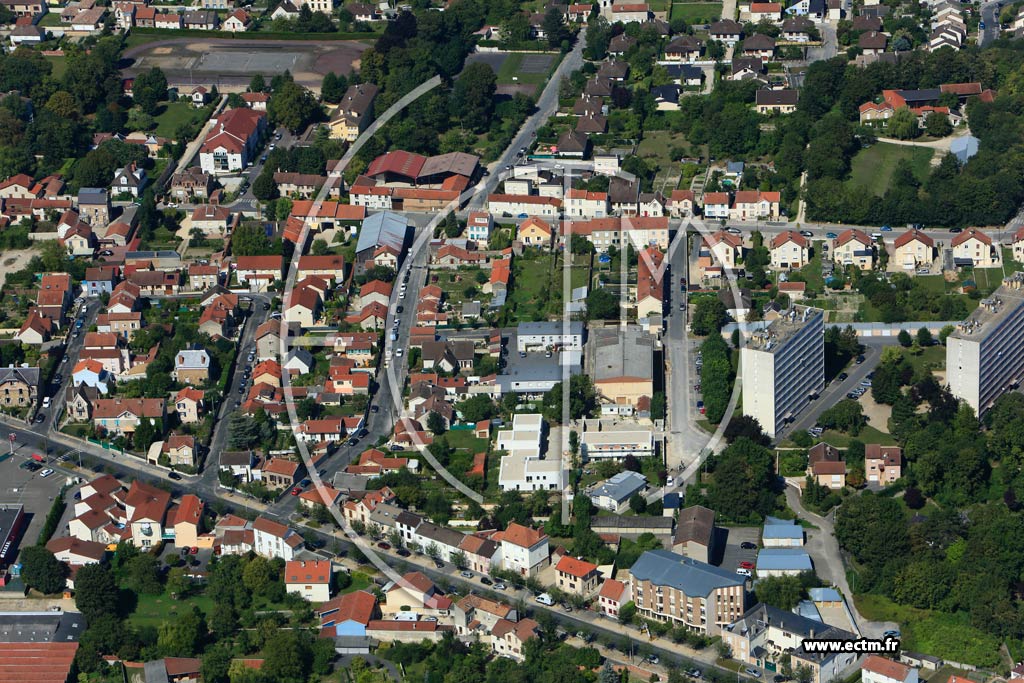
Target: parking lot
x,y
729,548
30,489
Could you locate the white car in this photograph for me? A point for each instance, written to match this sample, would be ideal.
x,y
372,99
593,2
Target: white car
x,y
46,401
398,352
45,473
744,572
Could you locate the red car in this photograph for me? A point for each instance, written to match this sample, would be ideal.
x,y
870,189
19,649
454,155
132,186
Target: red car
x,y
746,565
383,546
296,491
194,550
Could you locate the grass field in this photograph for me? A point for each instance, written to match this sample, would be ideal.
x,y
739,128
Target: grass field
x,y
696,12
931,283
154,610
936,633
873,167
867,435
174,114
512,67
60,66
537,286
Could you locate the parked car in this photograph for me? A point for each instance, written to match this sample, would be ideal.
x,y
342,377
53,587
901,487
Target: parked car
x,y
296,491
653,659
842,377
45,473
466,575
807,233
499,586
743,571
384,546
748,545
174,475
402,552
751,671
747,565
485,581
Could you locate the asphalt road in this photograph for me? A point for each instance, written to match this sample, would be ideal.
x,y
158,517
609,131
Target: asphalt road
x,y
547,105
835,390
990,16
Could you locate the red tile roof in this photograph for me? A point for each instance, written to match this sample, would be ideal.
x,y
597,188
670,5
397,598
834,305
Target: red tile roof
x,y
522,536
307,571
612,590
968,234
579,568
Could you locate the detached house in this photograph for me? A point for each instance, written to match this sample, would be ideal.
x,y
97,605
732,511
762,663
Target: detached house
x,y
789,250
122,415
755,205
915,249
882,464
855,248
192,366
232,141
129,180
974,248
576,577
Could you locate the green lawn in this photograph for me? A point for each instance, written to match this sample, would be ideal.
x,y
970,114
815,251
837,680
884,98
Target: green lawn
x,y
536,290
60,66
949,636
867,435
360,581
988,279
511,69
696,12
931,283
873,167
153,610
931,357
464,438
175,114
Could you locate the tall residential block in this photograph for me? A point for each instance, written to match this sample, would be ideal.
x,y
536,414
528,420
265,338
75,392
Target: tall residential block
x,y
783,366
985,354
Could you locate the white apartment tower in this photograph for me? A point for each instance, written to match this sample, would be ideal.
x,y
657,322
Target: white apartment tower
x,y
783,365
985,354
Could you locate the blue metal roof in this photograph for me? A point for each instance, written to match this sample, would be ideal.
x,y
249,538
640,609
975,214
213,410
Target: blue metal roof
x,y
671,501
824,595
697,579
776,528
783,559
621,486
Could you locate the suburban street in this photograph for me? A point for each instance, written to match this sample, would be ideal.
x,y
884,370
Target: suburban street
x,y
990,16
547,105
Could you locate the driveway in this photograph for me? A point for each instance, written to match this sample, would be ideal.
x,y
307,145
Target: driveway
x,y
823,548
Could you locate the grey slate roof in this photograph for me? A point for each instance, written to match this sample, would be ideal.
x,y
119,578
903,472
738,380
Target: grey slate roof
x,y
621,486
382,229
695,579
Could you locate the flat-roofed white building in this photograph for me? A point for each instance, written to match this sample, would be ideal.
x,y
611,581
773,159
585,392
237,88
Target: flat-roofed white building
x,y
783,365
541,335
985,354
525,468
616,443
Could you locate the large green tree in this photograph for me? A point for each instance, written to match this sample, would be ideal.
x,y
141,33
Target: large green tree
x,y
472,100
95,591
743,486
41,570
872,528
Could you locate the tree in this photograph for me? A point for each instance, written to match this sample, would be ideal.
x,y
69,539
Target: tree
x,y
709,316
582,399
142,574
287,657
477,408
846,416
924,337
258,575
783,592
41,570
904,339
333,87
554,26
264,188
472,98
216,663
435,423
747,427
144,435
872,528
637,503
627,612
63,104
743,485
903,124
602,305
257,84
149,89
183,636
293,107
937,125
95,591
